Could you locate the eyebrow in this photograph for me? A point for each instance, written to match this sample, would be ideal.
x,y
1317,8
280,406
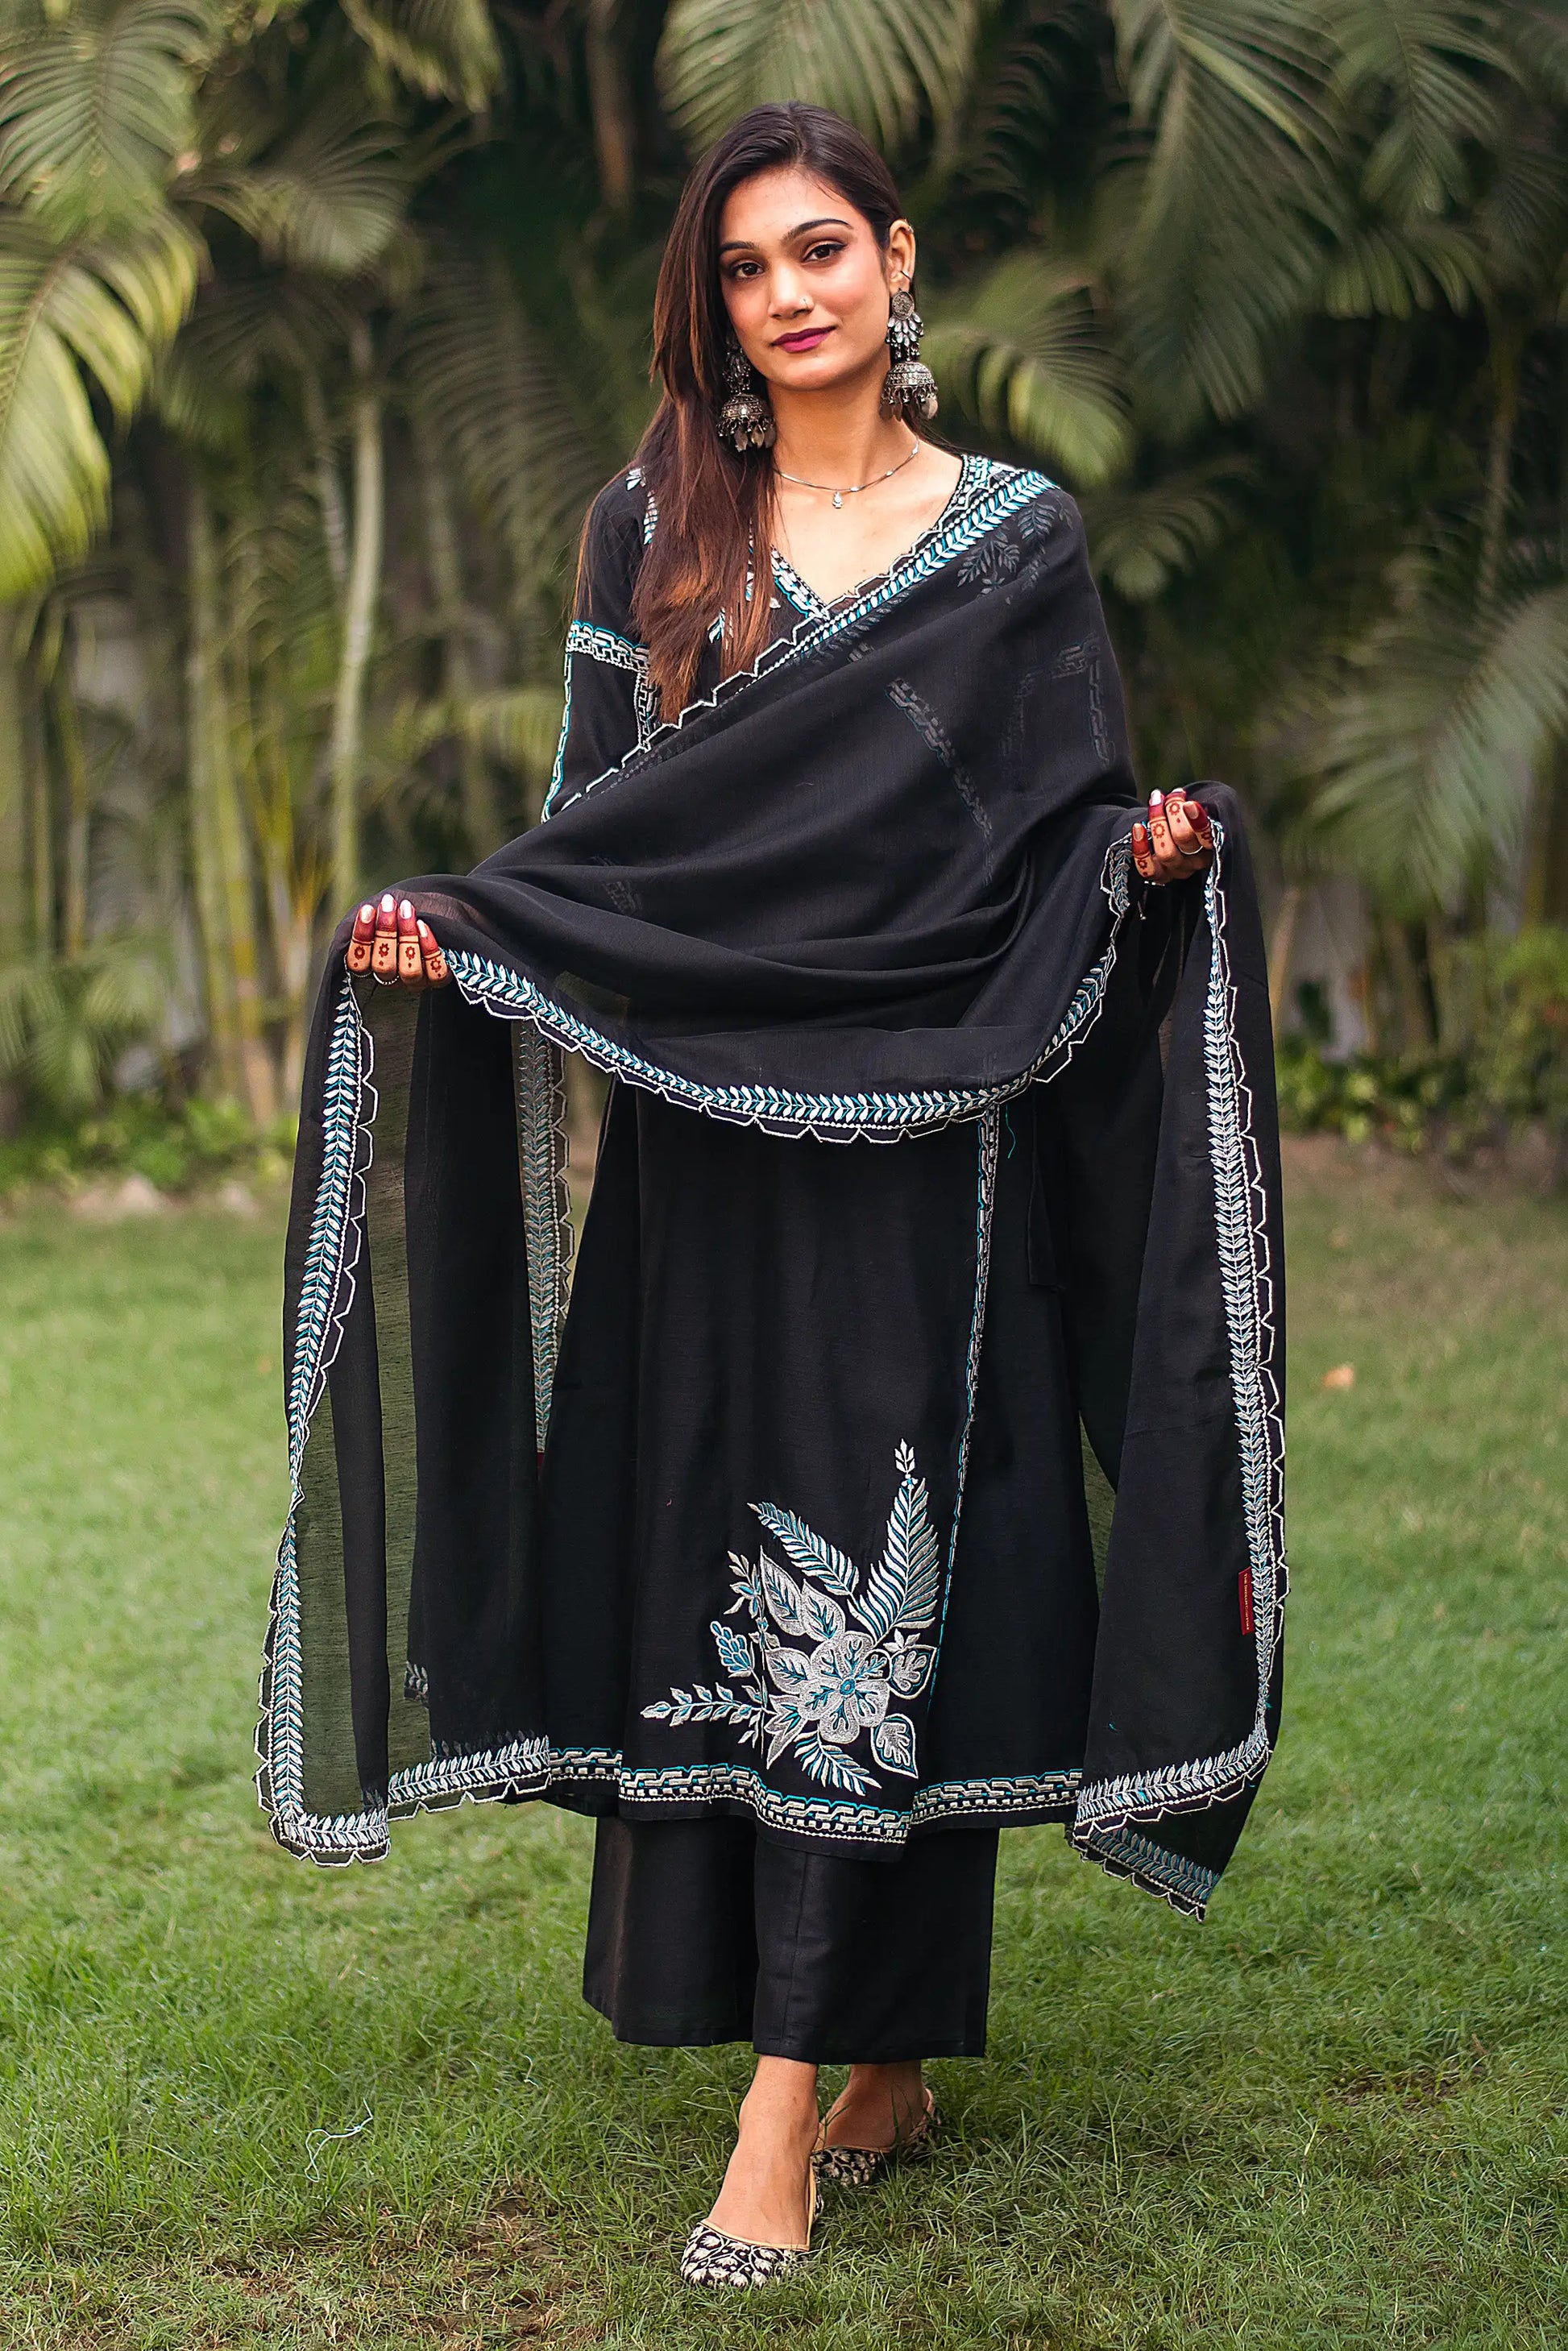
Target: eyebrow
x,y
827,220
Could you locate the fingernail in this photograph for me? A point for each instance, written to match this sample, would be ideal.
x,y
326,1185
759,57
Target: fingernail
x,y
1156,799
367,912
389,904
406,910
423,929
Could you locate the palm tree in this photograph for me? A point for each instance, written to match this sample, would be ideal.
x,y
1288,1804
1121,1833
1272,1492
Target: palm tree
x,y
359,296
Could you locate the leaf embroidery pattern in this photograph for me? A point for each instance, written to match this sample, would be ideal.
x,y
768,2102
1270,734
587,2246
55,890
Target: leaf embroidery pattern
x,y
829,1648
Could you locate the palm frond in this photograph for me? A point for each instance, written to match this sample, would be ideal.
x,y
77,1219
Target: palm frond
x,y
1383,271
96,105
1523,218
1536,32
329,198
1141,539
519,724
1025,358
1420,66
106,310
1234,195
1426,765
1023,91
484,379
62,1024
446,48
30,997
879,63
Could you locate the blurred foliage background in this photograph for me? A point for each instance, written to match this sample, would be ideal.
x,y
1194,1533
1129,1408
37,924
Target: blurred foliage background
x,y
320,324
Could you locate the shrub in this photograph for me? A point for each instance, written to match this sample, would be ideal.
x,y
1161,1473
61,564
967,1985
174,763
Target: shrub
x,y
1503,1063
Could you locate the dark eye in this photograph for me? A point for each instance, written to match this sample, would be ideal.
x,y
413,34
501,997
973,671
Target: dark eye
x,y
825,251
741,268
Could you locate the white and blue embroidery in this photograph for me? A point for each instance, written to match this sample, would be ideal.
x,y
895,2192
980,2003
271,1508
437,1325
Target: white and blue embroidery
x,y
950,538
880,1117
616,652
541,1088
1108,1810
830,1647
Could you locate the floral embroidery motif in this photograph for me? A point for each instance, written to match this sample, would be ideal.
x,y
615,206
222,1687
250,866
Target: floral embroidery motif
x,y
851,1644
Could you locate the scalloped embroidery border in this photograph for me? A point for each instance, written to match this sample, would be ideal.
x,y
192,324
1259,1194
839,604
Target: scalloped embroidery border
x,y
1246,1279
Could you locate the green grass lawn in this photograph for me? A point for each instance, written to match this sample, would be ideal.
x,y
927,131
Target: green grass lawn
x,y
1336,2114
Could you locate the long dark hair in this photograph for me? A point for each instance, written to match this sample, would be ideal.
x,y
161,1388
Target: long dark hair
x,y
715,504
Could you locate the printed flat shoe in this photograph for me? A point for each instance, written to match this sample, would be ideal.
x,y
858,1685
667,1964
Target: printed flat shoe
x,y
862,2166
713,2257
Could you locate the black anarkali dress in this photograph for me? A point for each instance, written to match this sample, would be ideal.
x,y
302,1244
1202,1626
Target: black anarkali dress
x,y
938,1189
722,1282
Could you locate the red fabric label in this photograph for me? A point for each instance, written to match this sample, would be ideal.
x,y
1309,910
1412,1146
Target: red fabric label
x,y
1244,1587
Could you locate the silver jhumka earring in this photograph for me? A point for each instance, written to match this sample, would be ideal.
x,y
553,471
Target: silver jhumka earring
x,y
909,383
747,417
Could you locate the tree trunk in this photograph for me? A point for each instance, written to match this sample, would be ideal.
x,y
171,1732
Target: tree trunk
x,y
1546,862
289,878
1409,1000
359,618
456,676
1505,350
79,811
328,488
225,897
13,764
40,831
1282,940
614,131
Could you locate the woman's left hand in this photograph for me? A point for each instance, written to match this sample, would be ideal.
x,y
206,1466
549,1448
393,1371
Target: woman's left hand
x,y
1177,842
396,945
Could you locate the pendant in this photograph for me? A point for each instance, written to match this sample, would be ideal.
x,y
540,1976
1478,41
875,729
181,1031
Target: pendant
x,y
837,497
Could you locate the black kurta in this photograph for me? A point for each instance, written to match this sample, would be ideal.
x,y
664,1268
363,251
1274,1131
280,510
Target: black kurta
x,y
809,1555
723,1284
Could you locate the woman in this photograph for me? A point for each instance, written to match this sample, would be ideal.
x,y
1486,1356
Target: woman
x,y
838,850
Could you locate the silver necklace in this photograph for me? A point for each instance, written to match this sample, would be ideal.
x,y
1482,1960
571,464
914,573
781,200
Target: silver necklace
x,y
851,489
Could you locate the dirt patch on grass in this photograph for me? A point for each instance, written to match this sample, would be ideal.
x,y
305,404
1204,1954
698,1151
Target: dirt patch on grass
x,y
499,2281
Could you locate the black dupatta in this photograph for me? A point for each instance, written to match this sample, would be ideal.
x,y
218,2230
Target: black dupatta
x,y
877,887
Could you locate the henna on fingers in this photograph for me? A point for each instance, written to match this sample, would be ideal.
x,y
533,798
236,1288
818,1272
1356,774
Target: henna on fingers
x,y
383,953
396,945
437,971
410,953
1175,843
359,951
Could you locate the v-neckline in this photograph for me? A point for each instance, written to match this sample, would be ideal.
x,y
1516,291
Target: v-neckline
x,y
812,606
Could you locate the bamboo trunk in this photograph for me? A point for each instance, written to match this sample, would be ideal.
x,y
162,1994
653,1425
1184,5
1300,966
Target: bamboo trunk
x,y
329,488
1280,942
40,832
1495,501
610,100
78,813
359,618
289,880
13,763
224,896
457,677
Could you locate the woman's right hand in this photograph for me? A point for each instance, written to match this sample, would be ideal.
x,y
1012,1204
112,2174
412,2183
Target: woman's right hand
x,y
396,947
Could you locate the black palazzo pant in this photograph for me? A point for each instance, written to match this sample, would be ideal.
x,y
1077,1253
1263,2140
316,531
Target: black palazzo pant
x,y
704,1930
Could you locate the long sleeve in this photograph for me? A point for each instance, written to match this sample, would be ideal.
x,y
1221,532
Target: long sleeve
x,y
608,704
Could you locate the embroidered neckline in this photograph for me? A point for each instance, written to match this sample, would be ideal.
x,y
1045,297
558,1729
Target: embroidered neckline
x,y
973,475
1001,492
